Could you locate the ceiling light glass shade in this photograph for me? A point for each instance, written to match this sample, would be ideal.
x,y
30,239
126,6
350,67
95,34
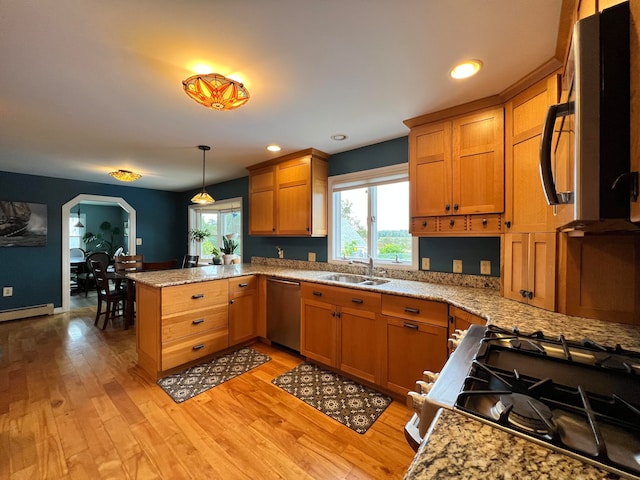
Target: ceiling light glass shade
x,y
125,175
79,224
203,198
216,91
466,69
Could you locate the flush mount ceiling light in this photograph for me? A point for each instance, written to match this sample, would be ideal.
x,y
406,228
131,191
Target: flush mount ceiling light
x,y
79,224
339,137
466,69
203,198
273,147
125,175
216,91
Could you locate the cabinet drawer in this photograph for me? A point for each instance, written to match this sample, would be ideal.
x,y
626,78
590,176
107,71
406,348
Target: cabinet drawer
x,y
346,297
424,225
197,321
194,296
453,224
239,285
490,223
419,310
194,347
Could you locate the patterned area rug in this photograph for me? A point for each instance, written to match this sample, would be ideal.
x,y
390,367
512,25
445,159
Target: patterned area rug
x,y
195,380
344,400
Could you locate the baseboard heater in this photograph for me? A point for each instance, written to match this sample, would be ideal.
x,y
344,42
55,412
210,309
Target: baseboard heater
x,y
26,312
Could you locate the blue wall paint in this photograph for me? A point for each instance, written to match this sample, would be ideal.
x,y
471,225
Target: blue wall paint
x,y
442,252
379,155
35,272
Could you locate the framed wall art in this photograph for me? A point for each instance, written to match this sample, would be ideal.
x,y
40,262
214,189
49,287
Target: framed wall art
x,y
23,224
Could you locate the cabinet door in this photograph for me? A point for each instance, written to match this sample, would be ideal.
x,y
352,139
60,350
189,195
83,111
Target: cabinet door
x,y
412,348
526,207
430,169
262,198
294,197
478,163
462,320
360,344
318,332
541,278
516,255
242,318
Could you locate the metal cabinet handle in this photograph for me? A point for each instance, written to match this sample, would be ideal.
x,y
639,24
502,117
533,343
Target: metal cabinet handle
x,y
452,223
508,223
415,311
241,285
424,223
231,301
456,207
198,321
410,325
357,300
196,296
317,293
198,347
447,207
484,222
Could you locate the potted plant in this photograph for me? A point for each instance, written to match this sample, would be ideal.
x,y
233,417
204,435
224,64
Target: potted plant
x,y
228,248
198,235
100,238
216,260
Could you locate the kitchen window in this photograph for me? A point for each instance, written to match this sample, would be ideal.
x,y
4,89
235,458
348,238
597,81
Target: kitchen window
x,y
370,217
220,219
76,234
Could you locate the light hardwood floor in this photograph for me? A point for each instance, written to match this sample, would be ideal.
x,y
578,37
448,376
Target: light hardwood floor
x,y
73,404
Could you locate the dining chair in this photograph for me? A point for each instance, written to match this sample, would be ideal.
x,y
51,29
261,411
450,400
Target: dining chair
x,y
86,278
190,261
128,263
161,265
76,261
112,297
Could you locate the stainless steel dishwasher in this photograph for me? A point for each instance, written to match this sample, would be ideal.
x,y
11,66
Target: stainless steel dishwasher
x,y
283,312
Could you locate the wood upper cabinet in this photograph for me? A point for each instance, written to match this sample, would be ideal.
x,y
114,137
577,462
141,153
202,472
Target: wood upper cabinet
x,y
529,268
288,195
340,328
456,167
526,206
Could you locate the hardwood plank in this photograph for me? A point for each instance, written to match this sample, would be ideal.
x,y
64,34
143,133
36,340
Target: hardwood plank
x,y
73,404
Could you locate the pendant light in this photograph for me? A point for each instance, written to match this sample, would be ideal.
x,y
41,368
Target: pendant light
x,y
78,223
203,198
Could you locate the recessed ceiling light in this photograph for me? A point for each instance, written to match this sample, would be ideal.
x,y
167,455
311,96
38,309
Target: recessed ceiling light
x,y
274,148
466,69
339,137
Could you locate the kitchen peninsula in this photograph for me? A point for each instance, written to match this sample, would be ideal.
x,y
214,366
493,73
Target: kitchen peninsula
x,y
458,447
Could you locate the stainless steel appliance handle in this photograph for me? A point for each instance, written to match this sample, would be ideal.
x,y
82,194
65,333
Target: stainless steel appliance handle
x,y
286,282
546,175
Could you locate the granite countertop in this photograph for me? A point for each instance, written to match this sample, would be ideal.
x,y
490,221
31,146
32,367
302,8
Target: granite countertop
x,y
456,446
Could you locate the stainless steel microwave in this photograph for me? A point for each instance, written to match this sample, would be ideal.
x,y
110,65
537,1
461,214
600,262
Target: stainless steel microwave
x,y
585,146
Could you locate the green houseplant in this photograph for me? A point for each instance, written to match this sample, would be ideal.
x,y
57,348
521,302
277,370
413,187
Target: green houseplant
x,y
103,240
198,234
229,246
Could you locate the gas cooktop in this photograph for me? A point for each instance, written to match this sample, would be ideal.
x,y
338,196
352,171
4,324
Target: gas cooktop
x,y
577,397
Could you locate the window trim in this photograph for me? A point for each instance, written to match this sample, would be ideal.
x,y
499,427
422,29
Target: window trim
x,y
367,178
222,206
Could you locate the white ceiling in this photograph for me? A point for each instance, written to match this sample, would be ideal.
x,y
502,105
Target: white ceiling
x,y
89,86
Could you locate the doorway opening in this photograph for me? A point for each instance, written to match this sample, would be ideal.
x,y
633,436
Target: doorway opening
x,y
68,216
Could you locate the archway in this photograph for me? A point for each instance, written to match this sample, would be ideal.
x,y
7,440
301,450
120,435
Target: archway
x,y
66,215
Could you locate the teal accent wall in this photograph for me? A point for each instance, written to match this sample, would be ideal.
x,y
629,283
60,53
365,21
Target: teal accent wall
x,y
443,250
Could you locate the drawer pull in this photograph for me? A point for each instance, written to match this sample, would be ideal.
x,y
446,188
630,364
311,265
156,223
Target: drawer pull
x,y
317,293
198,321
198,347
243,285
410,325
415,311
197,296
357,300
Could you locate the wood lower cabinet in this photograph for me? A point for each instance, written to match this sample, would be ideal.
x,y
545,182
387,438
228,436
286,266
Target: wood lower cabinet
x,y
243,309
288,195
180,324
415,340
529,268
462,320
340,328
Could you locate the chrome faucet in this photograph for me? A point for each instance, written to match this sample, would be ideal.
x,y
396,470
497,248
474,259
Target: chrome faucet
x,y
369,264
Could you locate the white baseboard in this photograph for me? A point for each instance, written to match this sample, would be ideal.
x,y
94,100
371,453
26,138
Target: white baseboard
x,y
26,312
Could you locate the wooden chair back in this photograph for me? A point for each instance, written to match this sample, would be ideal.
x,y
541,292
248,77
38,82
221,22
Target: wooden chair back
x,y
128,263
190,261
162,265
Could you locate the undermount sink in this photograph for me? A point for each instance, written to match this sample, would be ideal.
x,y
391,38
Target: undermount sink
x,y
355,279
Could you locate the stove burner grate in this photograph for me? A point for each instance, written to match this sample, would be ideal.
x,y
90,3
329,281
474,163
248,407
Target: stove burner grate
x,y
525,412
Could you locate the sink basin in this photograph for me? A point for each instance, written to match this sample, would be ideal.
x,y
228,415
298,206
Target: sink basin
x,y
354,279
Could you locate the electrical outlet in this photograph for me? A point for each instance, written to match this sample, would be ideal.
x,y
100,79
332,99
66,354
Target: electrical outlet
x,y
138,241
311,256
485,267
426,263
457,266
7,291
